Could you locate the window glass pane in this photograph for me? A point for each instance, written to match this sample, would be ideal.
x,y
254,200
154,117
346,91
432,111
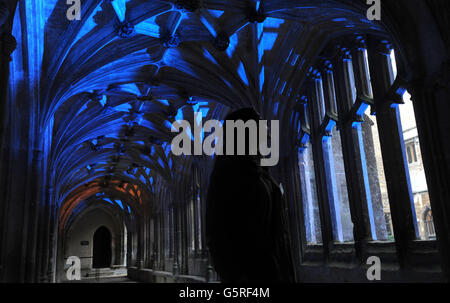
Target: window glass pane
x,y
309,196
416,170
394,64
379,210
337,188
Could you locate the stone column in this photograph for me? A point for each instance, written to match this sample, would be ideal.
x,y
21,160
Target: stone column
x,y
196,208
431,97
45,246
177,240
52,245
140,243
184,234
289,176
8,44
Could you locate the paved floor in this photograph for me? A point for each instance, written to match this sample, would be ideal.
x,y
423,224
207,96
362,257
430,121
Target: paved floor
x,y
105,280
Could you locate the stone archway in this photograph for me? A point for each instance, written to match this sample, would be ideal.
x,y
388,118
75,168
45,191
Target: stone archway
x,y
102,253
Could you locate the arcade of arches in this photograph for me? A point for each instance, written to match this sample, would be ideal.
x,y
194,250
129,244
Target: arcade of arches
x,y
86,108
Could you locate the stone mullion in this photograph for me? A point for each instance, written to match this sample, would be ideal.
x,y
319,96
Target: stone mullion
x,y
361,69
302,177
353,153
391,140
321,172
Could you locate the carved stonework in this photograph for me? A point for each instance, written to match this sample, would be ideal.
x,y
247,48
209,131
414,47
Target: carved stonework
x,y
221,42
343,53
172,41
126,30
188,5
255,16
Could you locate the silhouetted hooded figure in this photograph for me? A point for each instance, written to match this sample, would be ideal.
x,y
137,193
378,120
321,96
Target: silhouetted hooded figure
x,y
246,226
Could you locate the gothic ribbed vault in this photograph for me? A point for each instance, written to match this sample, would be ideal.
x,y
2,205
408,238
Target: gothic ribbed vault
x,y
102,92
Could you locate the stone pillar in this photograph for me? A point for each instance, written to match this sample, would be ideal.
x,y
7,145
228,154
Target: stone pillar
x,y
140,243
52,245
45,246
431,97
32,218
8,44
184,237
288,175
177,240
196,207
171,232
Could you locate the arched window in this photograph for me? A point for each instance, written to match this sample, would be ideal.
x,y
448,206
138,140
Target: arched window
x,y
429,225
356,117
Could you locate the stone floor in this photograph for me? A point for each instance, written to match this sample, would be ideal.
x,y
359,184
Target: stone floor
x,y
123,279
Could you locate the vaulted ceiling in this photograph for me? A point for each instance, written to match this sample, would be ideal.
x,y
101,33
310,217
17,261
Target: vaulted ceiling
x,y
111,84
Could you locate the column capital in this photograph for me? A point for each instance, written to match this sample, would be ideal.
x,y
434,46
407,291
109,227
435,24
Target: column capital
x,y
315,73
324,66
125,30
384,47
360,43
221,42
303,100
343,52
188,5
171,41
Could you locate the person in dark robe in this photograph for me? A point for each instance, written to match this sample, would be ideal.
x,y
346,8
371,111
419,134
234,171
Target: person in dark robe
x,y
246,222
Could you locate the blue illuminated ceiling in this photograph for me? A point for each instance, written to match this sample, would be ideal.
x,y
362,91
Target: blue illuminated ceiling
x,y
112,83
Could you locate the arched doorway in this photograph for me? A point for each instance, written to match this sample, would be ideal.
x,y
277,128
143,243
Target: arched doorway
x,y
102,248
